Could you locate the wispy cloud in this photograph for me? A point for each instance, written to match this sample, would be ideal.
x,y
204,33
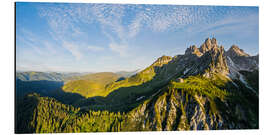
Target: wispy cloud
x,y
29,39
135,26
63,28
95,48
238,24
50,47
73,49
121,49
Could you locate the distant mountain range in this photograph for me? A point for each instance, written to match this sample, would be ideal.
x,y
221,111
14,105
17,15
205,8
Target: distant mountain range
x,y
58,76
49,76
205,88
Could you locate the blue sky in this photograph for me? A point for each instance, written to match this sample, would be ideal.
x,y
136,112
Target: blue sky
x,y
105,37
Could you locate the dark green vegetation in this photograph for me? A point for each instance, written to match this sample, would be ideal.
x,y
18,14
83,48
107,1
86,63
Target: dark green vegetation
x,y
196,91
252,79
43,87
37,114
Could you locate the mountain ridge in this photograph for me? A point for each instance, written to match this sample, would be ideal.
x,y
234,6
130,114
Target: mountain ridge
x,y
205,88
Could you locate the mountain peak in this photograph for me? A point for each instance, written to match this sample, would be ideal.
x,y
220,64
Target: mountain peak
x,y
236,51
214,41
208,45
235,47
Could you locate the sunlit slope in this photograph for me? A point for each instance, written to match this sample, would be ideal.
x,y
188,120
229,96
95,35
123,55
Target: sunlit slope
x,y
153,76
90,85
102,84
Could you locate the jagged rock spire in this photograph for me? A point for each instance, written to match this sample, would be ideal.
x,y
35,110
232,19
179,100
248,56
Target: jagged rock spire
x,y
193,50
211,58
214,41
208,45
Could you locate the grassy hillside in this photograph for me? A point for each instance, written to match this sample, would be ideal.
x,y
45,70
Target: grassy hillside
x,y
102,84
91,84
147,80
203,86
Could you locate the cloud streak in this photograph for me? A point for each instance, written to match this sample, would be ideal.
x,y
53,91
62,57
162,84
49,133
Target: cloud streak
x,y
236,24
73,49
95,48
121,49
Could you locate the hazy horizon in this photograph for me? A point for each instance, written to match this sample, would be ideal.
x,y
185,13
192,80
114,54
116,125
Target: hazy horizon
x,y
62,37
76,71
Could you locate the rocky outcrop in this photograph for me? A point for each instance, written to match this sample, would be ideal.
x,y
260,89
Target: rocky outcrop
x,y
210,59
193,50
238,60
162,60
235,51
208,45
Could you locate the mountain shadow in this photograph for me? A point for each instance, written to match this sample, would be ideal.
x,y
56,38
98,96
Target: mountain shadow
x,y
42,87
46,89
24,112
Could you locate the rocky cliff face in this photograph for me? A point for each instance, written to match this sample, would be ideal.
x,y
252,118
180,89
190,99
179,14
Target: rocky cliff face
x,y
239,60
180,109
176,110
208,59
235,51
